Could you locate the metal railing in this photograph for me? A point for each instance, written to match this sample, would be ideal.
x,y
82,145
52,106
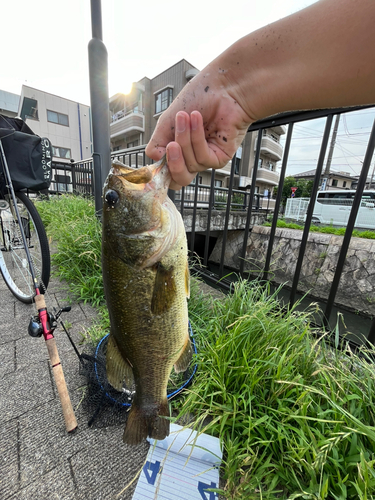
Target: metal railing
x,y
210,197
186,198
74,178
217,274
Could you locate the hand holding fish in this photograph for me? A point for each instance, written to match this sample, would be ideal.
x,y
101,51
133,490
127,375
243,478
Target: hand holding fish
x,y
300,62
198,133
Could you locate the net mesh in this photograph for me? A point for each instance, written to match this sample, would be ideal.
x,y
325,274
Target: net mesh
x,y
105,405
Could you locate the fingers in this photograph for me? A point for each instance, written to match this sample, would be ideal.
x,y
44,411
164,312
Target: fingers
x,y
176,163
190,151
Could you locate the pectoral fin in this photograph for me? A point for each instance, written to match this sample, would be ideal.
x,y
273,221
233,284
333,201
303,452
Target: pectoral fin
x,y
184,360
164,290
118,369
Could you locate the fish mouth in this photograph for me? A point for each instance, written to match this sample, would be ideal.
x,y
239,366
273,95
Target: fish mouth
x,y
147,178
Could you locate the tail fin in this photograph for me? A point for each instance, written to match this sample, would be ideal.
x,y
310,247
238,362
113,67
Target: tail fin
x,y
147,421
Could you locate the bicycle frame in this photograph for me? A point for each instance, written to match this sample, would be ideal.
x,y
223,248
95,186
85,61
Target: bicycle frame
x,y
45,323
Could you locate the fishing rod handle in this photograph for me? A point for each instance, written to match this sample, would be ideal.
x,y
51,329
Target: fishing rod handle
x,y
58,374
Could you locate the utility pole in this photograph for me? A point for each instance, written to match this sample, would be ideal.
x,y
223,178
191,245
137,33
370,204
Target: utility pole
x,y
372,174
330,154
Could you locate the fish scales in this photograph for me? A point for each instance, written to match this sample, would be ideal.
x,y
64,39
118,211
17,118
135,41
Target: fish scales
x,y
146,282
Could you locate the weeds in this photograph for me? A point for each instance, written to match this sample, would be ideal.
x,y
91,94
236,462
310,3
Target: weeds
x,y
71,223
296,419
324,229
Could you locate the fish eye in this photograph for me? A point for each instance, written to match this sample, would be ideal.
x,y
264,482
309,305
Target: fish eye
x,y
111,197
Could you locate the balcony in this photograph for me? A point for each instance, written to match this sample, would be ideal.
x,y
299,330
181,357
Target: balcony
x,y
279,129
123,123
268,176
271,148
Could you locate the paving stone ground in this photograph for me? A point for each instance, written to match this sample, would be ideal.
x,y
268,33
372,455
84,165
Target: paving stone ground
x,y
38,459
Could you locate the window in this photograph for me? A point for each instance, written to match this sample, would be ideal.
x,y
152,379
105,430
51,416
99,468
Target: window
x,y
59,118
132,144
116,148
61,152
237,166
260,163
334,182
163,99
218,183
275,137
271,166
344,184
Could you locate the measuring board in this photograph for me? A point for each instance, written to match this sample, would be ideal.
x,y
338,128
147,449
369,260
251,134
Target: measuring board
x,y
181,467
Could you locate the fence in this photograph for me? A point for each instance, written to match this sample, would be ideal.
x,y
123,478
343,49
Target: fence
x,y
216,275
296,208
209,198
74,178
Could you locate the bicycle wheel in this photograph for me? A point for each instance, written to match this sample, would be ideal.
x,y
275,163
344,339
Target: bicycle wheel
x,y
14,265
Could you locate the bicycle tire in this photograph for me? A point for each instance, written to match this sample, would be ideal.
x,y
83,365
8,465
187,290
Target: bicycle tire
x,y
14,265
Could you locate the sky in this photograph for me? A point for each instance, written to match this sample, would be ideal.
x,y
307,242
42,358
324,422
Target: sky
x,y
44,43
45,46
350,146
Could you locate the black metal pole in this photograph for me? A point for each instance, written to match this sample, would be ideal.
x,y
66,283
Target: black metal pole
x,y
99,97
350,226
278,202
250,207
310,209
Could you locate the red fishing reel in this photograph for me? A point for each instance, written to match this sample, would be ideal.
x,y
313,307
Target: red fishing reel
x,y
35,328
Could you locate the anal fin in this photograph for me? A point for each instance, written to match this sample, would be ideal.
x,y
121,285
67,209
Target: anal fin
x,y
185,358
118,368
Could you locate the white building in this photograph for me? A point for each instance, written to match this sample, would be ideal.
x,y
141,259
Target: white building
x,y
66,123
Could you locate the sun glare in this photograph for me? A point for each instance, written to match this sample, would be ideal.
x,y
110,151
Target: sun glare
x,y
126,88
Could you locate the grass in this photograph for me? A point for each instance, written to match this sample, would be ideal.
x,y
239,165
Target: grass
x,y
324,229
71,223
296,418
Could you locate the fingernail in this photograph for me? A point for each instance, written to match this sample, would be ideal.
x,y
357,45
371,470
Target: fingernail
x,y
173,153
193,121
180,122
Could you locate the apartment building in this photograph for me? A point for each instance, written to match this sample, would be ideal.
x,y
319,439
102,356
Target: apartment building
x,y
133,118
335,180
271,152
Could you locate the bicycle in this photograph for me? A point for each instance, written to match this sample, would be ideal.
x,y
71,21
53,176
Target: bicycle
x,y
13,258
23,165
25,256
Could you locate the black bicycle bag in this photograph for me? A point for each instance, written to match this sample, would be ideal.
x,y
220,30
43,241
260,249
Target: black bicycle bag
x,y
29,156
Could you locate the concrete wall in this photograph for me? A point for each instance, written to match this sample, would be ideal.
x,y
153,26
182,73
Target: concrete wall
x,y
357,285
237,220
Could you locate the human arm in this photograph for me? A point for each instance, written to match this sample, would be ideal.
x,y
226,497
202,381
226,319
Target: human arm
x,y
321,56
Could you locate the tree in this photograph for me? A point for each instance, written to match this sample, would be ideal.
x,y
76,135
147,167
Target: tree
x,y
303,186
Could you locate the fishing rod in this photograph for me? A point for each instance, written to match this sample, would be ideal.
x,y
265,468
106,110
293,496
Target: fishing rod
x,y
44,323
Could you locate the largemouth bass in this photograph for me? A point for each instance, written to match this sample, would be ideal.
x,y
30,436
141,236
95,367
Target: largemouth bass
x,y
146,283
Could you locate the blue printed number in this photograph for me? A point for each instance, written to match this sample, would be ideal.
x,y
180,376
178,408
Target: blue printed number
x,y
202,487
151,471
